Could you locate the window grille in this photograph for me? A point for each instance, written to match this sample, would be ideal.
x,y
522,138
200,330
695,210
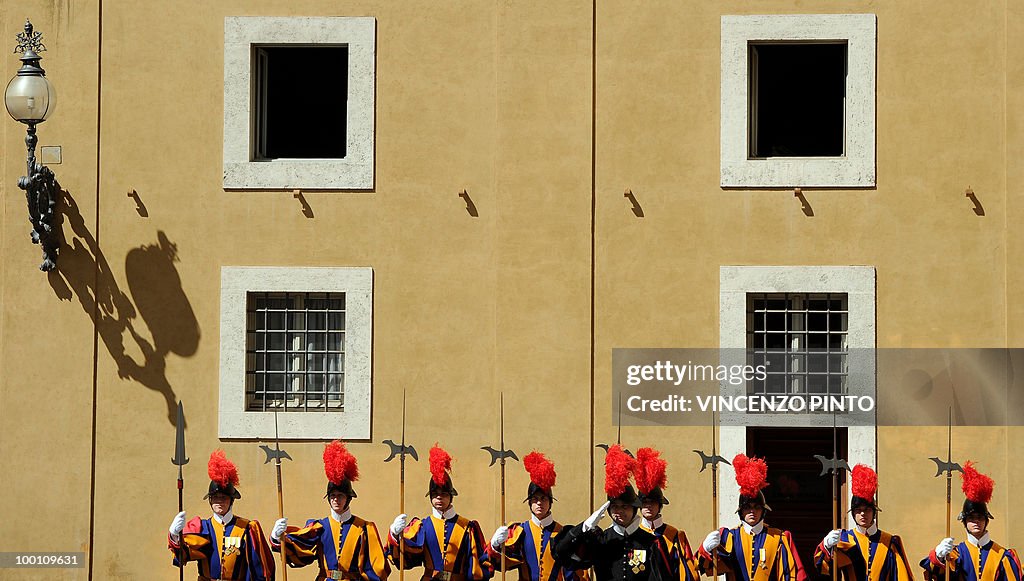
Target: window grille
x,y
801,339
295,352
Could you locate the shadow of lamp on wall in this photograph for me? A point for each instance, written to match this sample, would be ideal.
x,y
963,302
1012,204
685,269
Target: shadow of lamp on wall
x,y
30,99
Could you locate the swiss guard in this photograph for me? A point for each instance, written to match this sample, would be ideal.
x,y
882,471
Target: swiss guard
x,y
223,546
625,551
752,551
978,558
529,545
650,484
343,545
864,552
448,546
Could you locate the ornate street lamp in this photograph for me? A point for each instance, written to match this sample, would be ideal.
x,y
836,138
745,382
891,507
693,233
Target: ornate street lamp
x,y
30,99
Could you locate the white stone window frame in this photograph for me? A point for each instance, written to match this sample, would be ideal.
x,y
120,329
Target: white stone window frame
x,y
354,422
856,167
859,284
353,172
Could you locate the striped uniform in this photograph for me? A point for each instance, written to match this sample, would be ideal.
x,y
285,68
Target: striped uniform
x,y
343,550
859,557
241,551
767,555
990,562
530,550
681,561
450,549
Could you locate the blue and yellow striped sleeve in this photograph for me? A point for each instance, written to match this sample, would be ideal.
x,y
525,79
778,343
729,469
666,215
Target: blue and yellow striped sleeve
x,y
724,560
374,563
260,561
1010,567
301,546
192,546
787,565
478,565
514,554
411,547
687,561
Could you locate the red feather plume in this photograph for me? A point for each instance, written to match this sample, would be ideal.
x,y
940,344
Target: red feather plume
x,y
339,463
751,474
221,470
617,467
542,470
440,464
650,470
977,487
865,482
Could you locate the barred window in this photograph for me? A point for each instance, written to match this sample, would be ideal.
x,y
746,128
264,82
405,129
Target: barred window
x,y
801,339
295,351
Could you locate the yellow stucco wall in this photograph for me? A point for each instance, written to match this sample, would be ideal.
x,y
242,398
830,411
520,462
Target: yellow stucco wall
x,y
495,98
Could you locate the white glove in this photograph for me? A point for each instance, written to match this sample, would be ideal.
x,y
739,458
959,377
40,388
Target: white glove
x,y
177,525
279,528
832,539
591,522
499,538
399,525
944,548
712,541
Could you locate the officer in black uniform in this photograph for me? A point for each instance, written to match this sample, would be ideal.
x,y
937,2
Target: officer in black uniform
x,y
625,551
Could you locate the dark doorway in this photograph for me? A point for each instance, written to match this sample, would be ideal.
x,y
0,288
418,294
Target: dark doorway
x,y
799,495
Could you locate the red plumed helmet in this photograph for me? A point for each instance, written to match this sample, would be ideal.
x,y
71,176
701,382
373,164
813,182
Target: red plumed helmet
x,y
341,469
751,475
223,476
865,482
863,485
617,468
650,470
977,487
440,466
541,470
221,470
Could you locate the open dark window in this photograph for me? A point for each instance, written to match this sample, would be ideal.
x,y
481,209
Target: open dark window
x,y
300,96
797,99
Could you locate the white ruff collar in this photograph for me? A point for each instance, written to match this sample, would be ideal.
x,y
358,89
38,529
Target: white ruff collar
x,y
867,532
628,529
343,517
544,522
753,530
443,516
984,540
653,525
224,520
